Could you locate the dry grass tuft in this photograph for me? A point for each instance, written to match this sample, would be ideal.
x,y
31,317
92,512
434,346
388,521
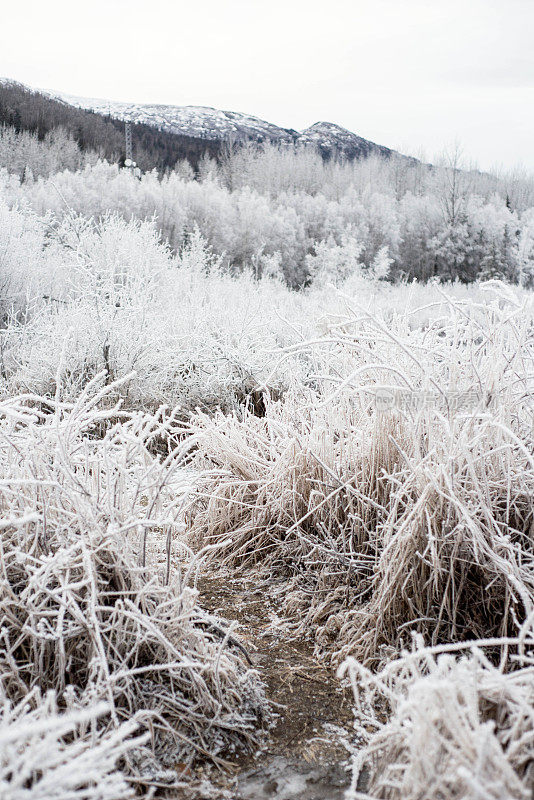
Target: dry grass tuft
x,y
80,613
45,754
457,726
413,518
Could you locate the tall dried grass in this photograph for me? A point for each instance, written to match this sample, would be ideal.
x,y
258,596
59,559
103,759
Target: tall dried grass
x,y
416,517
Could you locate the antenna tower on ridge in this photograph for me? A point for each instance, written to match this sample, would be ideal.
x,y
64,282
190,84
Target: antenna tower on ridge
x,y
129,163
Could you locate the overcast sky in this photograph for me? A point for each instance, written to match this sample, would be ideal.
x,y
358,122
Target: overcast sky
x,y
411,74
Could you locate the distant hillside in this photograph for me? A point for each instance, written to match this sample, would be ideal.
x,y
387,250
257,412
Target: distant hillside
x,y
33,111
165,134
332,139
199,122
212,124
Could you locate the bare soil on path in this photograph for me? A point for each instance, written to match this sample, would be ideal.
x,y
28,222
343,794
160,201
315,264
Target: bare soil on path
x,y
303,755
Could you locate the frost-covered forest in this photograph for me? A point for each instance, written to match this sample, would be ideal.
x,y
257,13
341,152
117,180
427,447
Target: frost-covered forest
x,y
313,376
290,213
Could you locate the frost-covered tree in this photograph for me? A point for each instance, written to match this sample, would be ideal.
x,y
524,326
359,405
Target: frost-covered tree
x,y
525,250
441,222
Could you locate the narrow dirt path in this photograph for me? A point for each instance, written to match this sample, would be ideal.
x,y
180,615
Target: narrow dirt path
x,y
304,756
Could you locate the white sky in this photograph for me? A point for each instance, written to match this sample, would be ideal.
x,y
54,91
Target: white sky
x,y
416,75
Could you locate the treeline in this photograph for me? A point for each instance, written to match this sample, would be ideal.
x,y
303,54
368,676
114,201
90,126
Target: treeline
x,y
35,113
290,214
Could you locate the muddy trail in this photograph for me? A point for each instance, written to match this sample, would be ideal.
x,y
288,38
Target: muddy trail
x,y
303,755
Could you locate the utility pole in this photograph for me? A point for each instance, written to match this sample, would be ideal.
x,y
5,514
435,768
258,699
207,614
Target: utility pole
x,y
128,136
129,163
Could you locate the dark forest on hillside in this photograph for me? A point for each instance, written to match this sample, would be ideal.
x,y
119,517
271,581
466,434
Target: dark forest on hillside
x,y
36,113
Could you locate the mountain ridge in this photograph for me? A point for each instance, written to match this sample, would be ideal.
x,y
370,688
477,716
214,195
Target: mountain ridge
x,y
192,129
212,123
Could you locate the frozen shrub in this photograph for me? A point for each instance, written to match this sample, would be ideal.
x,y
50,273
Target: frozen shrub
x,y
444,724
29,271
45,753
84,611
331,263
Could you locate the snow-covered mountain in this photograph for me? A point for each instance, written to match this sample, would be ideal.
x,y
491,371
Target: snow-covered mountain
x,y
197,121
211,123
207,125
333,138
